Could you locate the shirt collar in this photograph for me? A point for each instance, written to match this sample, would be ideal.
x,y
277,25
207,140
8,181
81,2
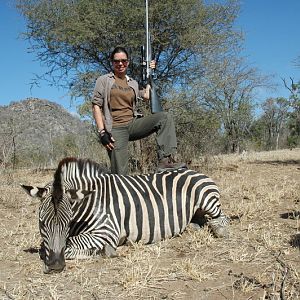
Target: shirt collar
x,y
112,75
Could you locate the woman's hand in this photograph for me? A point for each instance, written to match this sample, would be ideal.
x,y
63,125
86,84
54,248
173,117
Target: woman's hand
x,y
107,139
152,64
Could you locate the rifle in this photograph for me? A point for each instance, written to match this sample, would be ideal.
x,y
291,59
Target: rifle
x,y
148,75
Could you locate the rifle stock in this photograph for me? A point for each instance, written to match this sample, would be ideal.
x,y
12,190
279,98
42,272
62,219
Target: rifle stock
x,y
155,101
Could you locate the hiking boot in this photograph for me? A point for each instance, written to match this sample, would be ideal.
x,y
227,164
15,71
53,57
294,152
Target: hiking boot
x,y
168,163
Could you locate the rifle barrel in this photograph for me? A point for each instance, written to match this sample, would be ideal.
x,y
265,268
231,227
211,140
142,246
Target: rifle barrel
x,y
155,101
148,49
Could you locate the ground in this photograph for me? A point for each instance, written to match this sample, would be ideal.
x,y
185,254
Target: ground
x,y
260,260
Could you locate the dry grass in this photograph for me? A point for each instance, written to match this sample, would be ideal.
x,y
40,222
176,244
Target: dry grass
x,y
260,259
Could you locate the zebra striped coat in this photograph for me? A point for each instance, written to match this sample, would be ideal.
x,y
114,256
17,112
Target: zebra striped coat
x,y
85,211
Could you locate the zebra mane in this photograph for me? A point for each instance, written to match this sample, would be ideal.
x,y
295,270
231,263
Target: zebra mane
x,y
57,192
83,163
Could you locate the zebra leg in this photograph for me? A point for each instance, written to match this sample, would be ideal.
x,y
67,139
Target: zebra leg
x,y
87,245
198,219
73,253
101,240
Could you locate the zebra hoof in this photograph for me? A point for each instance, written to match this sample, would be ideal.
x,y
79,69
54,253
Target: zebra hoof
x,y
109,251
219,226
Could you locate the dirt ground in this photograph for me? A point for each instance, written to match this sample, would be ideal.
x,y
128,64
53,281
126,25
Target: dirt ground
x,y
260,259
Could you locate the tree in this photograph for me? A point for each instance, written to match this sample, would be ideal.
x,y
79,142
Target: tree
x,y
198,128
274,117
294,115
73,38
7,144
258,134
228,88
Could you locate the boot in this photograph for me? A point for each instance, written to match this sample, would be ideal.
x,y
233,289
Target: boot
x,y
168,163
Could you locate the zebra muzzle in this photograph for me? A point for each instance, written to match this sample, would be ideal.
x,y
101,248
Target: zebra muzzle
x,y
55,263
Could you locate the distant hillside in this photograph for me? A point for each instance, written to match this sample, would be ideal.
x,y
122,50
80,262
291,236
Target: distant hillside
x,y
35,127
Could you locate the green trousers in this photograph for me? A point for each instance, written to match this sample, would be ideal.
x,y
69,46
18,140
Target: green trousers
x,y
160,123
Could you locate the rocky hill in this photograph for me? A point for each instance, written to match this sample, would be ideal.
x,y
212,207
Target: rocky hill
x,y
36,127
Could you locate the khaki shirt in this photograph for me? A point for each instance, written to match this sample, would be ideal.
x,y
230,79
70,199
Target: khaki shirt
x,y
101,96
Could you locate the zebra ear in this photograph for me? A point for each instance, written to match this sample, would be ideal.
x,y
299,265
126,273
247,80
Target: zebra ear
x,y
77,195
33,191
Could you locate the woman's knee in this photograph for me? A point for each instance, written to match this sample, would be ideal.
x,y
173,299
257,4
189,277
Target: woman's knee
x,y
165,116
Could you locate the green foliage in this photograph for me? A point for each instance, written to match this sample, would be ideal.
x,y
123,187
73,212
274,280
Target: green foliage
x,y
274,117
69,145
226,89
293,141
74,38
293,122
294,116
277,126
258,135
198,131
31,158
65,146
197,52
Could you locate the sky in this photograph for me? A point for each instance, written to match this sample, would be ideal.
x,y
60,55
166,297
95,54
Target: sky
x,y
272,43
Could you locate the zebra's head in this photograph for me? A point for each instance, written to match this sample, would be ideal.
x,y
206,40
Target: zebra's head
x,y
55,215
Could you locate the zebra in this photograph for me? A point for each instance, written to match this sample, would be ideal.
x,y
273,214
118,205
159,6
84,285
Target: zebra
x,y
85,211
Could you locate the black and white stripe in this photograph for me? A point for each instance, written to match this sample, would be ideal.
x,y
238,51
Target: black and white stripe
x,y
108,210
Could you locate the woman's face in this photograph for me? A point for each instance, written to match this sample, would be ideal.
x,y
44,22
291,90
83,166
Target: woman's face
x,y
120,64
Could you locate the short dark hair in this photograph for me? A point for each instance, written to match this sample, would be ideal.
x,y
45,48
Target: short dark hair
x,y
118,50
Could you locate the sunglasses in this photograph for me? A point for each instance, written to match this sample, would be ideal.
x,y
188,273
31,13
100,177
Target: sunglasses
x,y
123,61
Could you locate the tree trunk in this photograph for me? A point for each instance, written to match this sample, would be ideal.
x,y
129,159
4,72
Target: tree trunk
x,y
277,141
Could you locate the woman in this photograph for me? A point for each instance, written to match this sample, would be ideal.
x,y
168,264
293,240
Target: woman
x,y
114,109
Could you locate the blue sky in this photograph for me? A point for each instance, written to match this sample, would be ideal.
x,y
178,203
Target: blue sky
x,y
272,43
